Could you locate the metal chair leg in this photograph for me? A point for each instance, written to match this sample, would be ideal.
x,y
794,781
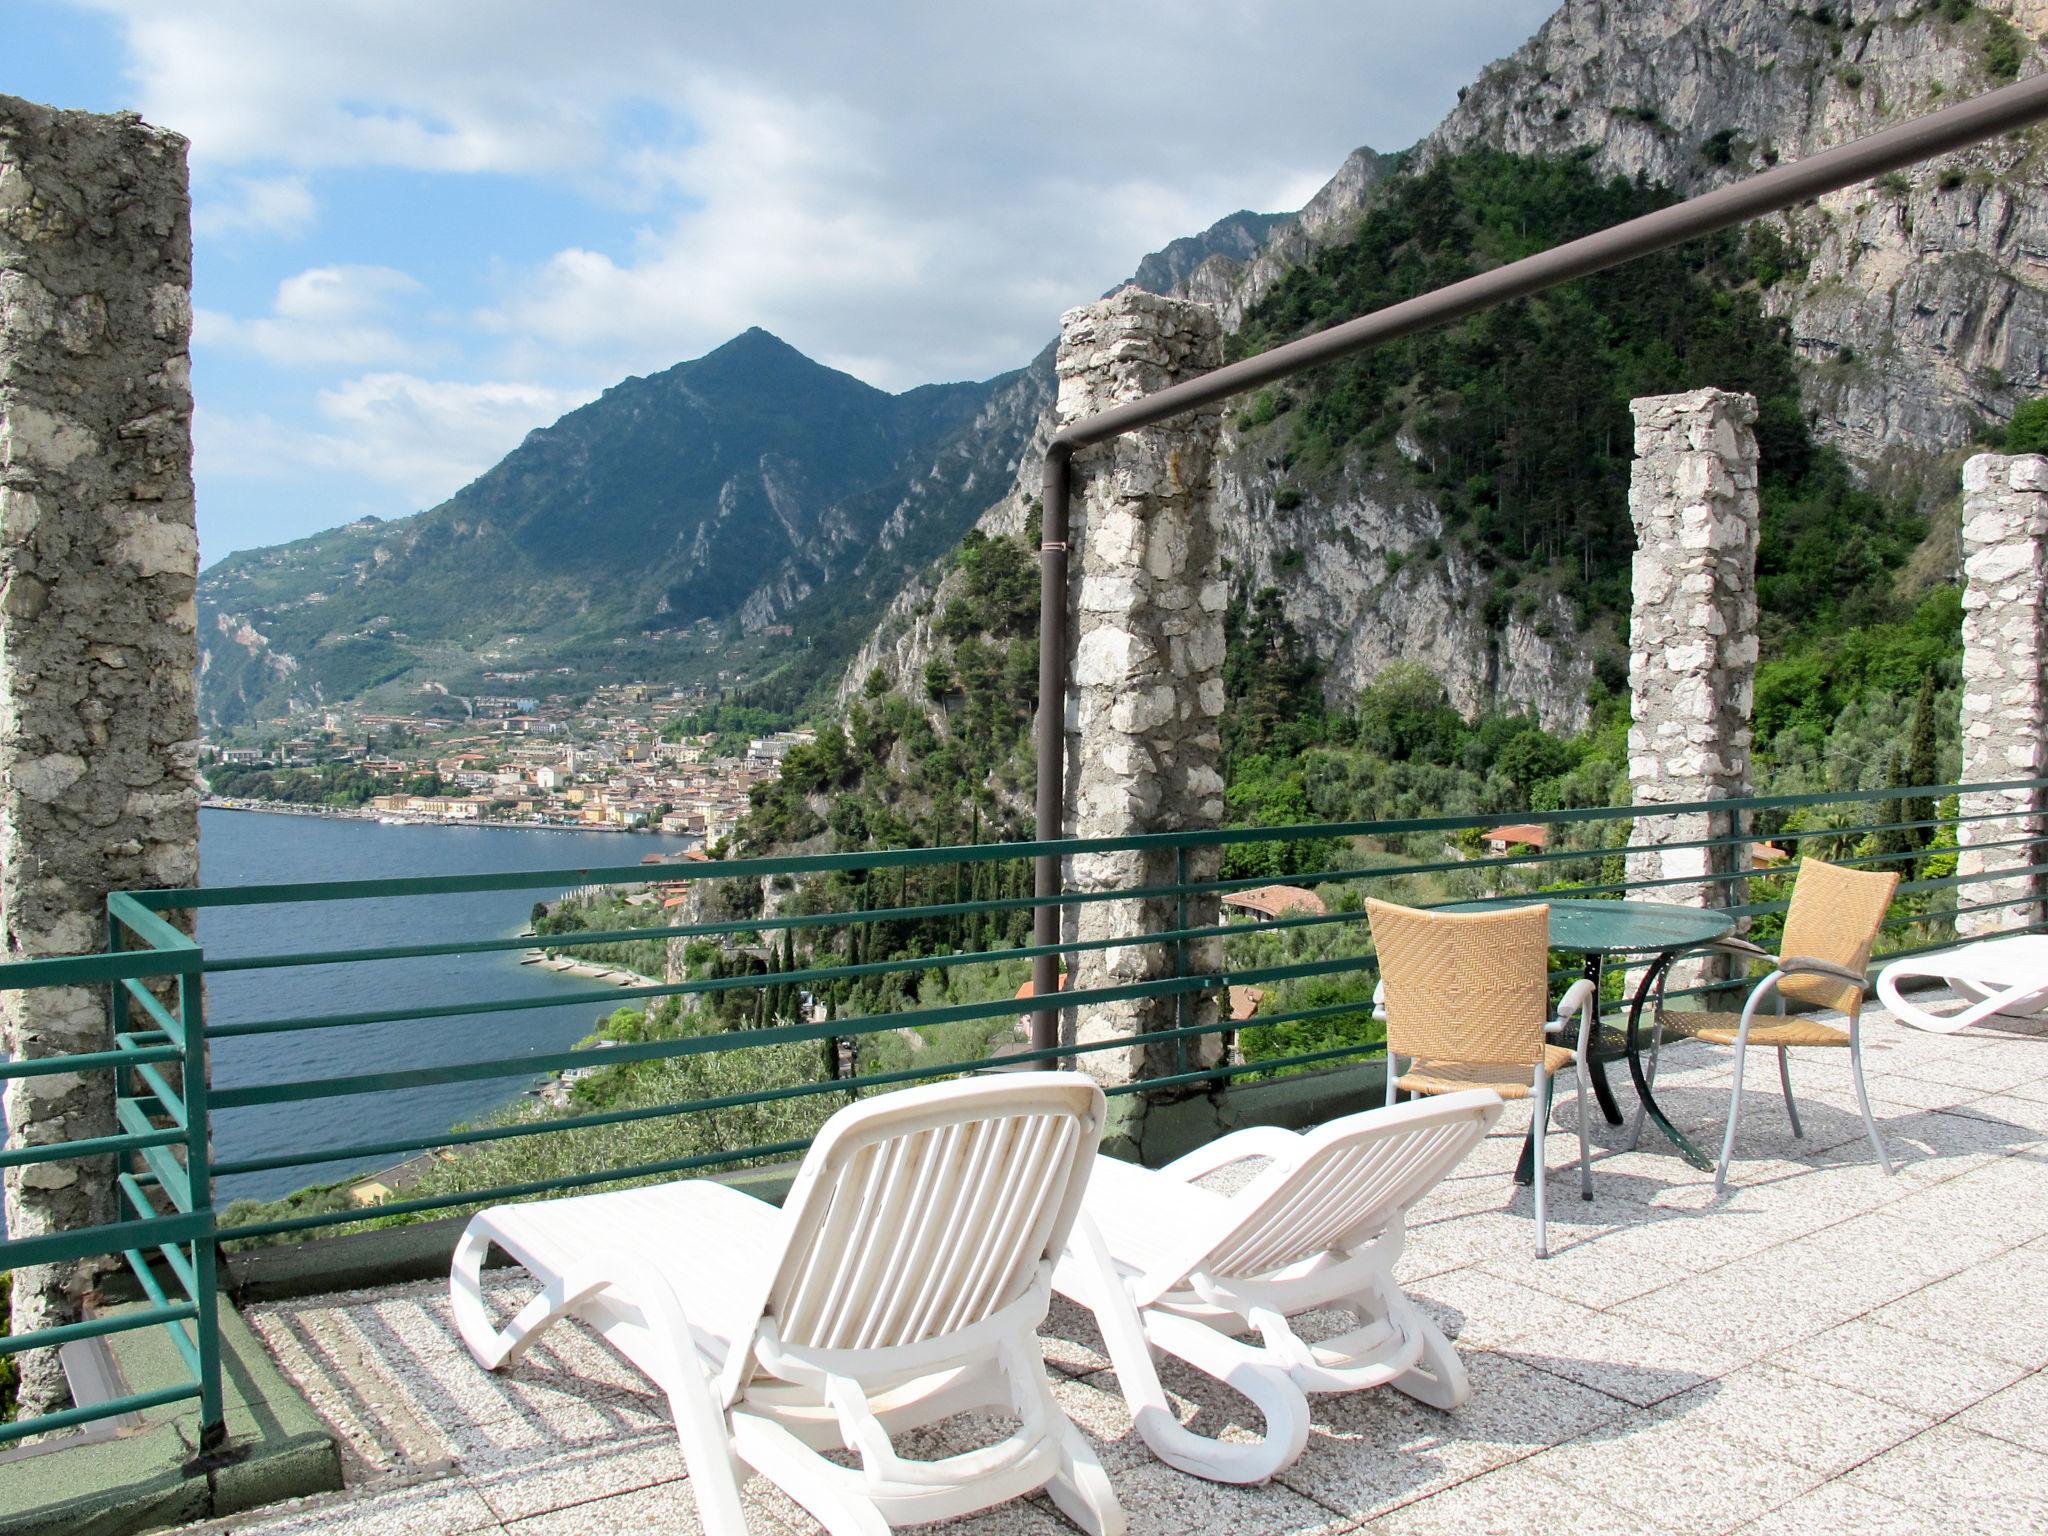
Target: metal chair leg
x,y
1635,1131
1863,1099
1585,1154
1734,1112
1540,1092
1785,1082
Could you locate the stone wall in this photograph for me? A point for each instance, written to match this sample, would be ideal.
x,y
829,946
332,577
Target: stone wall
x,y
1146,594
1692,629
2005,609
98,558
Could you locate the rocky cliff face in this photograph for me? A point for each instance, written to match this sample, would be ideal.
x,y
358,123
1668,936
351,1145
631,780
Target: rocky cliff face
x,y
1923,309
1925,304
1363,577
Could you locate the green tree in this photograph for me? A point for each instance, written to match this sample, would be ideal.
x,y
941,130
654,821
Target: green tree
x,y
2027,432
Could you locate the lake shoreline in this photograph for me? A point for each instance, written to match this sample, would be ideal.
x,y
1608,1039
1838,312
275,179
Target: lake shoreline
x,y
422,819
260,847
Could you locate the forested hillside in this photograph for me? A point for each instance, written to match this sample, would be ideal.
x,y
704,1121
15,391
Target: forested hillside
x,y
1515,424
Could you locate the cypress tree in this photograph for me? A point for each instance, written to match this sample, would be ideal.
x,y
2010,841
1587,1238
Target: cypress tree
x,y
1922,765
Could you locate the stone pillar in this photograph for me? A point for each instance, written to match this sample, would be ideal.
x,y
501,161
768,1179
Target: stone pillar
x,y
1146,594
98,652
1692,630
2005,610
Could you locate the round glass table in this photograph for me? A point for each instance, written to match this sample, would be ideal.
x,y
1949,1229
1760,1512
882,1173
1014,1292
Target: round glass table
x,y
1628,929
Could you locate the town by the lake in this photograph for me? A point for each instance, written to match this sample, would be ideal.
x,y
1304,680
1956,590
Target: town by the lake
x,y
620,757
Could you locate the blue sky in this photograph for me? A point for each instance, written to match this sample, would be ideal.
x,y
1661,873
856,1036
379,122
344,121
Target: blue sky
x,y
423,230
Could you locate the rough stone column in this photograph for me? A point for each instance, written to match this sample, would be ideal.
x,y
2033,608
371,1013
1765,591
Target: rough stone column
x,y
2005,610
1147,596
1692,630
98,655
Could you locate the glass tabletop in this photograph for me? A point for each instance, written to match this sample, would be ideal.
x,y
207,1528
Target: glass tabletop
x,y
1615,927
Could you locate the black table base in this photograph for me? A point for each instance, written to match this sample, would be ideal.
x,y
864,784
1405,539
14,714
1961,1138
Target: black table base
x,y
1632,1053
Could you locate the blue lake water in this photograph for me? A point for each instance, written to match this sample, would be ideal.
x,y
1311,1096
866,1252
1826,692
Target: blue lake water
x,y
242,847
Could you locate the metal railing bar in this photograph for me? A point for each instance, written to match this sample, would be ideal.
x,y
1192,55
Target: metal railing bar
x,y
85,1061
114,1407
734,1101
85,970
741,1154
94,1327
651,1050
158,1013
1240,1069
173,1103
91,1146
509,1191
187,1345
1956,127
132,911
170,1177
110,1237
181,898
848,918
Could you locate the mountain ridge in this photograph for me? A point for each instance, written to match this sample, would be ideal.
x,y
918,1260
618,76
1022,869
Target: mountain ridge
x,y
728,488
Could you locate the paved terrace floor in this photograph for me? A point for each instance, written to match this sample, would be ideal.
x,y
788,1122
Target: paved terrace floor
x,y
1823,1350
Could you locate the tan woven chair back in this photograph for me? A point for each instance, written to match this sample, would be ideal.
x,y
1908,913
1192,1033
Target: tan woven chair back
x,y
1465,987
1834,915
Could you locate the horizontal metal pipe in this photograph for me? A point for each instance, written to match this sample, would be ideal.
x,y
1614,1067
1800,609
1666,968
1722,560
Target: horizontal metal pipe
x,y
94,1327
67,1418
1957,127
175,899
89,1242
93,1146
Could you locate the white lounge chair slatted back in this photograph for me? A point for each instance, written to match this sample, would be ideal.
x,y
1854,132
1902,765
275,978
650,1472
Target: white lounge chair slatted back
x,y
932,1212
1353,1179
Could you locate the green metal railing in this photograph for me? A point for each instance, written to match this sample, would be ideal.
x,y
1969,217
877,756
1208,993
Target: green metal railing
x,y
155,1162
161,1148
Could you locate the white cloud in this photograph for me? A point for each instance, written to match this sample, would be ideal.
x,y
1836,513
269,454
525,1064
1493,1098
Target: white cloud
x,y
925,183
912,189
324,317
263,205
426,438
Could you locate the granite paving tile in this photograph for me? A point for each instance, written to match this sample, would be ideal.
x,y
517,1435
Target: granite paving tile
x,y
1514,1500
1841,1508
1899,1368
1950,1471
2018,1413
1671,1467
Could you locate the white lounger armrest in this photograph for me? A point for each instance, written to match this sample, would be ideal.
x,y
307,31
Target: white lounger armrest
x,y
1252,1141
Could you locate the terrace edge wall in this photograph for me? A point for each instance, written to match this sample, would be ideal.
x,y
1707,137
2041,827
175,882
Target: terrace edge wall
x,y
2004,712
1692,630
1147,594
98,647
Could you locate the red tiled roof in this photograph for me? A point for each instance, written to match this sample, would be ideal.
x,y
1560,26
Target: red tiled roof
x,y
1276,901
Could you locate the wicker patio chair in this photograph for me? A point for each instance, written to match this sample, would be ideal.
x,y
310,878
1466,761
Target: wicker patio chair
x,y
1465,1001
1823,963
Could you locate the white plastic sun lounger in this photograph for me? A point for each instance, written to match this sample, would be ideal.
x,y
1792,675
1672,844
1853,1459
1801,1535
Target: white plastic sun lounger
x,y
1165,1264
902,1282
2007,975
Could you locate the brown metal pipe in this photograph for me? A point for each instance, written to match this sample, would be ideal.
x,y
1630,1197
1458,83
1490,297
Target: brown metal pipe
x,y
1957,127
1052,726
1996,112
